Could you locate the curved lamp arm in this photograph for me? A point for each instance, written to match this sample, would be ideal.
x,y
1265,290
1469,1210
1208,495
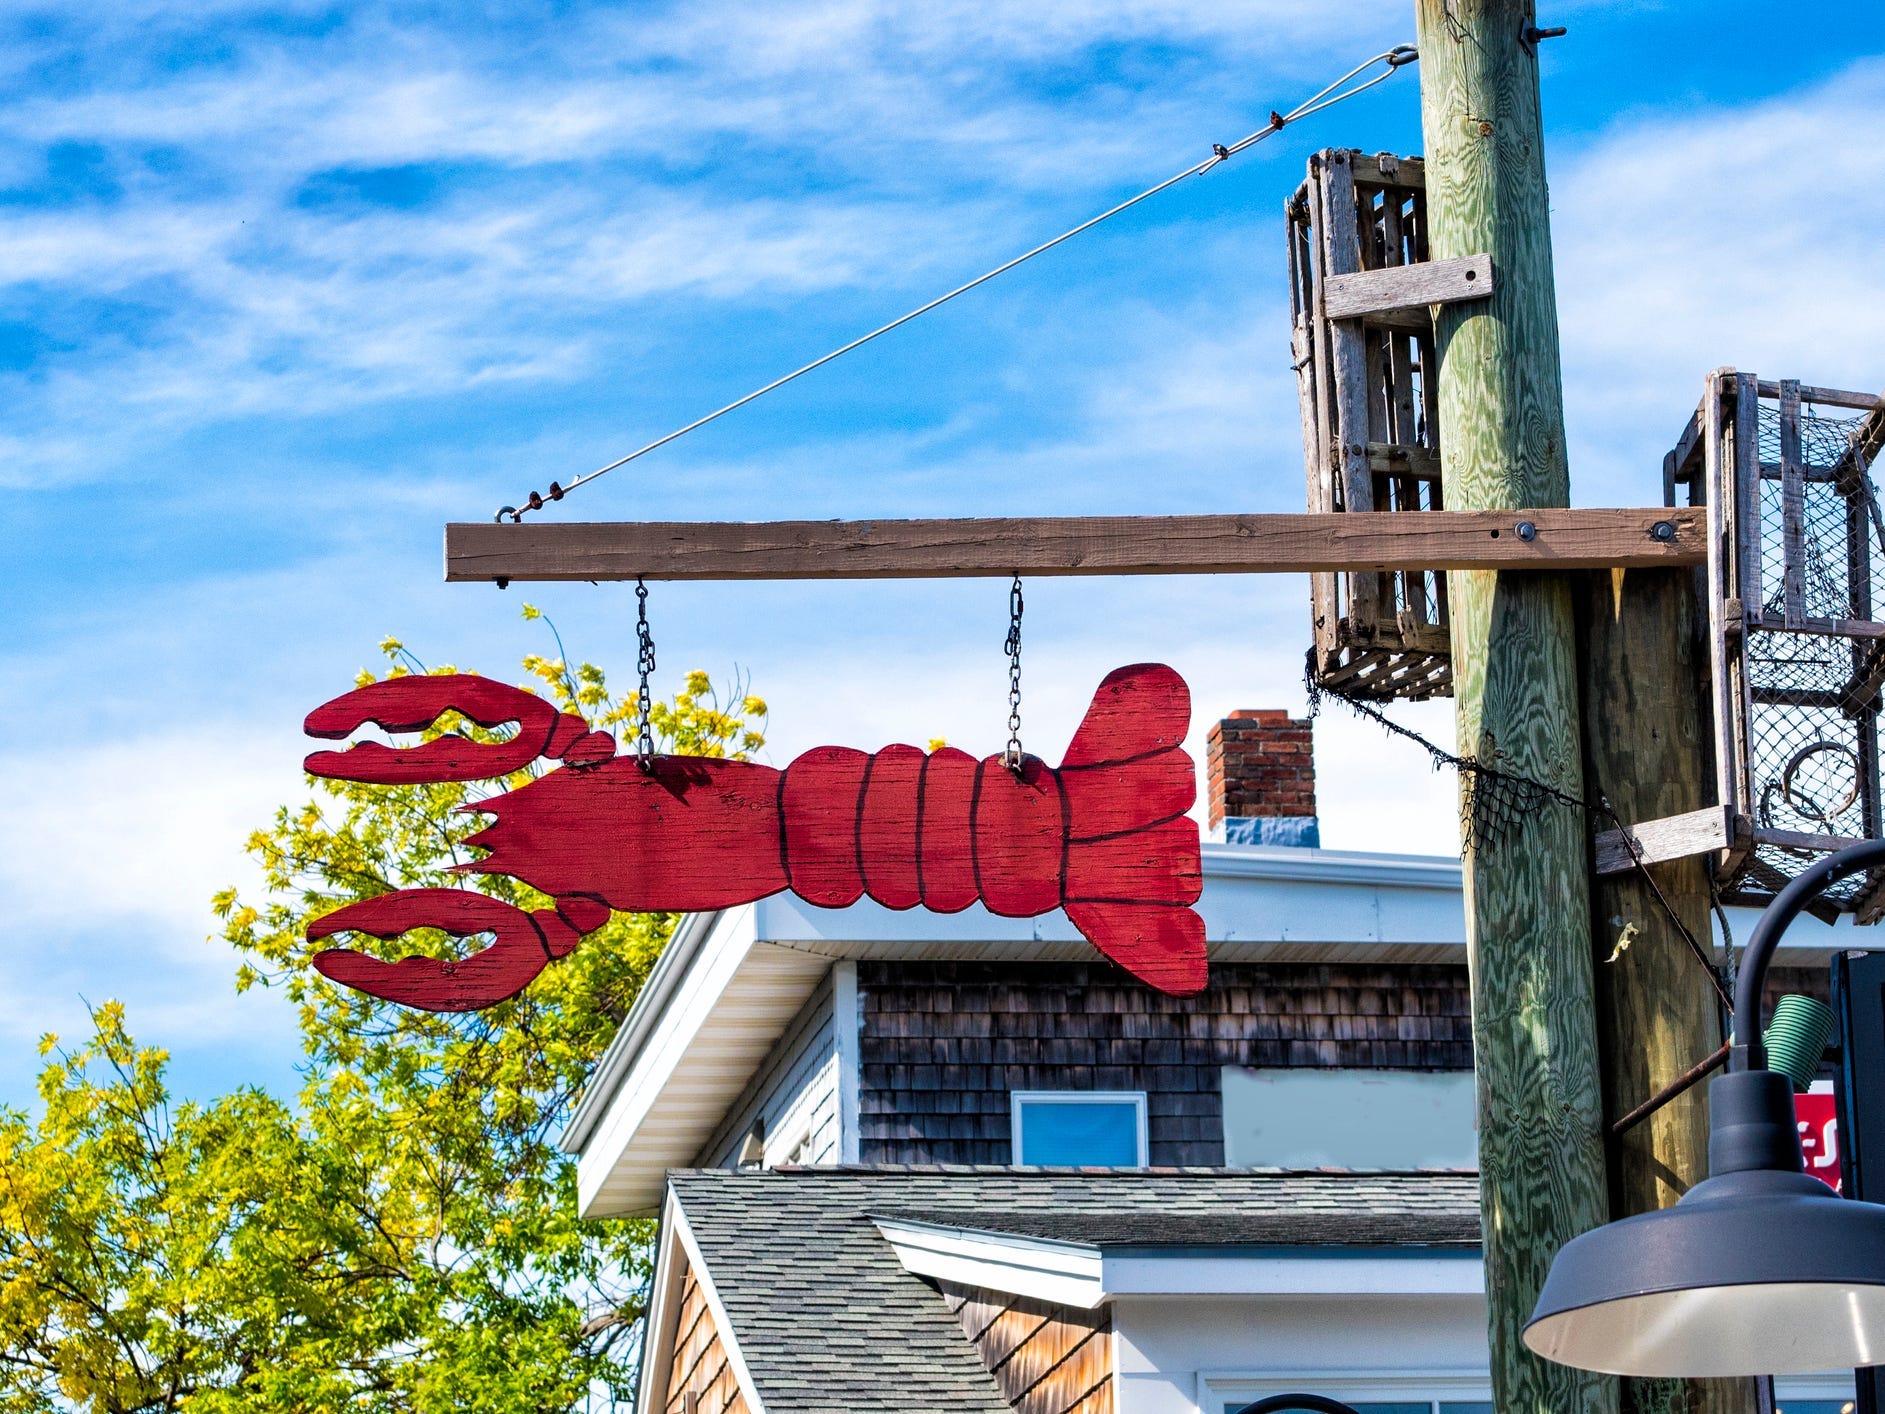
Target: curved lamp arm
x,y
1749,1053
1316,1403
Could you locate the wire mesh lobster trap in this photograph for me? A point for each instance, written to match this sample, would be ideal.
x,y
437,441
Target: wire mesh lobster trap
x,y
1796,594
1361,294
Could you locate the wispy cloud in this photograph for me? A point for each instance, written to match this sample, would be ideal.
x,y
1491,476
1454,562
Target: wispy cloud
x,y
1689,241
344,213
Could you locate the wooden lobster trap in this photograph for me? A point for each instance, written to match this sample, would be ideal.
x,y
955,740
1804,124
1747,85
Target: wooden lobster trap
x,y
1796,595
1361,295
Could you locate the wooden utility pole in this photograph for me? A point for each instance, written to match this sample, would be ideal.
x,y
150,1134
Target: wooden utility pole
x,y
1645,752
1541,1156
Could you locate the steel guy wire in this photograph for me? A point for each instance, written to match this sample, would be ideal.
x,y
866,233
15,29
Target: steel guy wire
x,y
1495,800
1327,97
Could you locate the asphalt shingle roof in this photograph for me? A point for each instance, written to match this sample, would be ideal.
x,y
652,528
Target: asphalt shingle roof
x,y
828,1320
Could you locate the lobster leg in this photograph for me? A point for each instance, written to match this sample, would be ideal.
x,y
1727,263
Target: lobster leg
x,y
525,942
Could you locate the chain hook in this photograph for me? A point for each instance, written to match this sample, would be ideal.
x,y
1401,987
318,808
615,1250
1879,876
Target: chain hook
x,y
1013,758
645,665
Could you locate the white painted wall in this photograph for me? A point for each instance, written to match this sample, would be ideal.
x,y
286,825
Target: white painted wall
x,y
1383,1119
1174,1352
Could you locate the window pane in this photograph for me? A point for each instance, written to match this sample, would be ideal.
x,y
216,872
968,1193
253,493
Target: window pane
x,y
1813,1406
1062,1132
1471,1407
1236,1406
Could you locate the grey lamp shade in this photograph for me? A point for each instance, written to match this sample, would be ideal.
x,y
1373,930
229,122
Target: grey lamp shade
x,y
1757,1272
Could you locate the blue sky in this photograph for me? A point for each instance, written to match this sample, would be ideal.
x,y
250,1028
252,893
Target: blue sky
x,y
285,287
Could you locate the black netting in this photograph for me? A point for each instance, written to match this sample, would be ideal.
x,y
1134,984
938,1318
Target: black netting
x,y
1812,742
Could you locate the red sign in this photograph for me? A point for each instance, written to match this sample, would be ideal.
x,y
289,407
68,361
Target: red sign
x,y
1104,835
1819,1136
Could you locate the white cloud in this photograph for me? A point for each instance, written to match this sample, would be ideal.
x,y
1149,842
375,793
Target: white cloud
x,y
726,153
142,830
108,857
1689,241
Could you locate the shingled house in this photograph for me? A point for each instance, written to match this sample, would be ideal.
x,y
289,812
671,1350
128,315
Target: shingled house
x,y
910,1161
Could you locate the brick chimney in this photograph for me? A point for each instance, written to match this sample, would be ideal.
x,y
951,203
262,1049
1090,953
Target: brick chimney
x,y
1261,767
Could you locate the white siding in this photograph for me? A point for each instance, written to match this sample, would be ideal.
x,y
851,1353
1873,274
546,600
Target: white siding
x,y
1178,1355
795,1090
1366,1119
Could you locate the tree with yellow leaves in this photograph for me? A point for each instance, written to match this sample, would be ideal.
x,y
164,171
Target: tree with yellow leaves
x,y
403,1236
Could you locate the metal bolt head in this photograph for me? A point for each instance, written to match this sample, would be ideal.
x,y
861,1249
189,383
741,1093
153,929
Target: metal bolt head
x,y
1662,530
1525,530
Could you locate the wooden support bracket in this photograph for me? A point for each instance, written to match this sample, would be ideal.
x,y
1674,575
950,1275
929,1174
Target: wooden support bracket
x,y
1552,539
1658,841
1395,288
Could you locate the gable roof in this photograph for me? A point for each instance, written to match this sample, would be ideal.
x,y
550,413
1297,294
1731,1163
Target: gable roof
x,y
826,1316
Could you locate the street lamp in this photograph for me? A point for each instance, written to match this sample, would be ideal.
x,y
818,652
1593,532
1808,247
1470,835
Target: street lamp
x,y
1759,1269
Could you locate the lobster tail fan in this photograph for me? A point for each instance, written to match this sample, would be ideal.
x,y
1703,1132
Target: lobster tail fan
x,y
1161,945
1133,866
1138,709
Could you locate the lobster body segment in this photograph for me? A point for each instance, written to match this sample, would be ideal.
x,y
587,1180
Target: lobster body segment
x,y
1104,836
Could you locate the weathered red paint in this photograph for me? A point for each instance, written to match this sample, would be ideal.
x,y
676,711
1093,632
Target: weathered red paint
x,y
1105,836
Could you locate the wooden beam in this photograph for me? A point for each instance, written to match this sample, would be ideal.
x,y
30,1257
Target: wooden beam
x,y
1646,727
1515,688
1836,628
1071,545
1660,841
1825,397
1407,287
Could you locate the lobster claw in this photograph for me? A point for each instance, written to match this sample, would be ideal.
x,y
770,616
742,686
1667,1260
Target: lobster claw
x,y
412,703
524,944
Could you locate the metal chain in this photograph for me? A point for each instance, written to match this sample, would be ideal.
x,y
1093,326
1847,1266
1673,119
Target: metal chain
x,y
1012,757
645,664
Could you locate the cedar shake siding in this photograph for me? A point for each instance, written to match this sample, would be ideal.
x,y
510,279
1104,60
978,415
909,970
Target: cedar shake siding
x,y
700,1379
1047,1359
942,1044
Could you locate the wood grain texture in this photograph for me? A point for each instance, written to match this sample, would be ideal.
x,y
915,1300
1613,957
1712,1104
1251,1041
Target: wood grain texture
x,y
1046,1359
1826,397
1397,287
1659,841
1838,628
941,1045
699,1366
1541,1153
1581,538
1719,578
1792,506
1645,750
688,834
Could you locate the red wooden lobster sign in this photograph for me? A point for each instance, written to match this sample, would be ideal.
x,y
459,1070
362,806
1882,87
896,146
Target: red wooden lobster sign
x,y
1104,835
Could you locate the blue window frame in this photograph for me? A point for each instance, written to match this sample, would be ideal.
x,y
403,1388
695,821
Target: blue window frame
x,y
1055,1128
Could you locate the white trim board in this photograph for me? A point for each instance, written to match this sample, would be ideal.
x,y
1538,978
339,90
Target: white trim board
x,y
729,1341
846,1021
1084,1276
657,1351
